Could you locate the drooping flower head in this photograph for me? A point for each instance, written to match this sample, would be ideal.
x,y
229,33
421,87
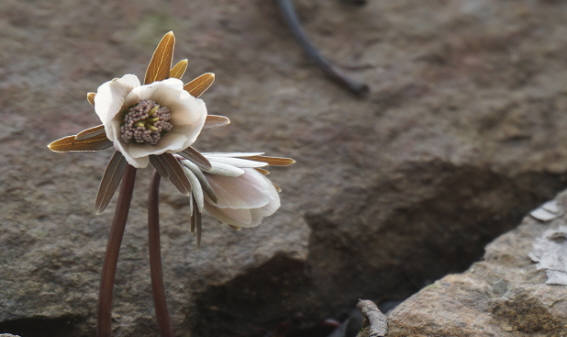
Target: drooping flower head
x,y
234,189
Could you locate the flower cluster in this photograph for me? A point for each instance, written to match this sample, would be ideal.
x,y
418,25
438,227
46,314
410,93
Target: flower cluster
x,y
157,123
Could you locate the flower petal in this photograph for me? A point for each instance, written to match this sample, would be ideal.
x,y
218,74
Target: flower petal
x,y
222,169
158,68
164,92
229,216
71,144
113,130
169,167
215,121
274,161
191,112
110,97
110,181
170,142
196,189
199,85
191,208
263,171
178,69
231,154
196,223
91,97
202,179
238,162
195,156
95,131
250,190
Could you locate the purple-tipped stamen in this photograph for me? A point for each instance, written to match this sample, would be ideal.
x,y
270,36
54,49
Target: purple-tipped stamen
x,y
145,123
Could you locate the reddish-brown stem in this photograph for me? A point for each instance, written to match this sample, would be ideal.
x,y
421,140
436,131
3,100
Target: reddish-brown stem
x,y
158,288
103,328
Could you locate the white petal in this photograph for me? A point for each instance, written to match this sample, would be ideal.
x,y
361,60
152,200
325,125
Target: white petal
x,y
110,96
199,174
170,142
231,154
190,204
160,91
243,201
136,162
188,110
250,190
113,132
197,191
235,217
245,218
222,169
238,162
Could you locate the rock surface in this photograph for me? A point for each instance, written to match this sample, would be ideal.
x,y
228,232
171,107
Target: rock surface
x,y
505,295
461,134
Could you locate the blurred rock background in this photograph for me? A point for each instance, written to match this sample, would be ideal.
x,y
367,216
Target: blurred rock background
x,y
461,134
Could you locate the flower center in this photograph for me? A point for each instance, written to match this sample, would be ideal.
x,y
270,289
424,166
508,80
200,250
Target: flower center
x,y
145,123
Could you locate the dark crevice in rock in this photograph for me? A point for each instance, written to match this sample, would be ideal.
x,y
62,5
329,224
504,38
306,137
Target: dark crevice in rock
x,y
263,299
64,326
385,242
384,248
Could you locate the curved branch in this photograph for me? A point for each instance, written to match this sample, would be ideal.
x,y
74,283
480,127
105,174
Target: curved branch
x,y
288,11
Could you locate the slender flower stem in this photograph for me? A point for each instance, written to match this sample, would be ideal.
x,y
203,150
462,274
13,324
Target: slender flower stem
x,y
112,250
158,288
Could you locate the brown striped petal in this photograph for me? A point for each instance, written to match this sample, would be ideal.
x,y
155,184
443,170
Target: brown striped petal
x,y
215,121
159,66
195,156
90,97
178,69
263,171
274,161
95,131
110,181
71,144
168,166
279,189
200,84
158,164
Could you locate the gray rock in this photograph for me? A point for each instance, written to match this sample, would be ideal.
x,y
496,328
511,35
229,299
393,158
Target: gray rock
x,y
462,134
504,295
375,322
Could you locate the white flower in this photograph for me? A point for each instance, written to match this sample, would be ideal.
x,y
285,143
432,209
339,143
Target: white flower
x,y
234,188
146,123
242,201
183,117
